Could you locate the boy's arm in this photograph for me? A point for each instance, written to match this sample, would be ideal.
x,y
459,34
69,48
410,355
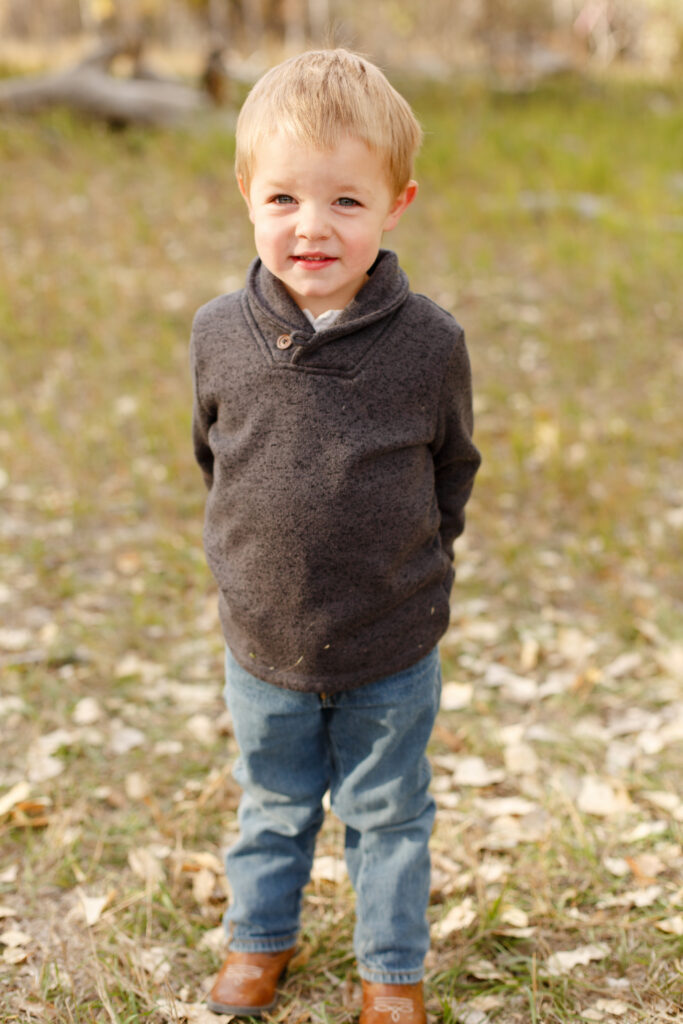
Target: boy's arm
x,y
456,460
202,419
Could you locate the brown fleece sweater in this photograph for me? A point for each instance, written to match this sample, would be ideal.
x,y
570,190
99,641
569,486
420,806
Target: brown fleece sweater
x,y
338,466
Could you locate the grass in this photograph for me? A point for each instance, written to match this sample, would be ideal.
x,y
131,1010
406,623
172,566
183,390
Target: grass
x,y
550,223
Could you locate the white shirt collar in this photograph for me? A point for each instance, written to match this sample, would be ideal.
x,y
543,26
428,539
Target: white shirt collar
x,y
325,319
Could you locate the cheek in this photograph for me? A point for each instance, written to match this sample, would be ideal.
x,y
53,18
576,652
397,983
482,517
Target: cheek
x,y
366,241
270,229
264,236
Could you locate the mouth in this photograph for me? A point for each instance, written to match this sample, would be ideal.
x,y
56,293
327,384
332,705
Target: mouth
x,y
314,259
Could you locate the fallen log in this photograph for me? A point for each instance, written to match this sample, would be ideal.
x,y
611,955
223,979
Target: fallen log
x,y
89,88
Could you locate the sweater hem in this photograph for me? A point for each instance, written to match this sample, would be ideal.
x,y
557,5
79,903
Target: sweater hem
x,y
338,683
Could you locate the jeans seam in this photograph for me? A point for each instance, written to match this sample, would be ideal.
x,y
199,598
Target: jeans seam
x,y
274,945
380,975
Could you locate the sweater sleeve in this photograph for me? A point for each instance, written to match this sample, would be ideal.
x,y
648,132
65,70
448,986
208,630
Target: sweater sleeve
x,y
456,459
202,420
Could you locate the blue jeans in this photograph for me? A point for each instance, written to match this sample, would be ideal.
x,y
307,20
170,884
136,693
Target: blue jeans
x,y
367,746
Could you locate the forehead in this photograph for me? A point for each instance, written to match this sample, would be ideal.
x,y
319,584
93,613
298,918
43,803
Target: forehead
x,y
348,162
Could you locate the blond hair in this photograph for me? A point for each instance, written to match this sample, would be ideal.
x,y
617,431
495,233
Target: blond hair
x,y
321,95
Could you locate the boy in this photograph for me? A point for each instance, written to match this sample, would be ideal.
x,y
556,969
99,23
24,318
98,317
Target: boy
x,y
332,423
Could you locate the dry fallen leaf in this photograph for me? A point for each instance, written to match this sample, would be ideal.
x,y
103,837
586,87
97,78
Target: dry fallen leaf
x,y
662,799
15,955
517,688
43,767
155,962
203,885
487,1002
203,729
14,639
124,737
672,925
644,830
616,866
529,653
593,1015
457,918
492,871
615,1007
633,721
520,759
447,799
473,771
31,813
456,696
195,861
624,665
12,704
645,867
484,970
515,917
637,898
146,866
602,799
132,665
168,748
466,1013
93,906
672,731
671,660
214,940
329,869
87,711
172,1011
565,962
504,834
14,796
137,786
496,807
520,690
128,563
190,696
42,1012
14,937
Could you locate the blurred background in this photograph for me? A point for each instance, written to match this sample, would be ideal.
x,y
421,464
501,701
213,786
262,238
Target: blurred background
x,y
432,37
550,222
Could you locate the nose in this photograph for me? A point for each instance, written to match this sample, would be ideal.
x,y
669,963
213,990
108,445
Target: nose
x,y
313,221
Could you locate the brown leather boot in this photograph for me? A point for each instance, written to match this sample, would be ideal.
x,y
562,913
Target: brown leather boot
x,y
246,982
392,1004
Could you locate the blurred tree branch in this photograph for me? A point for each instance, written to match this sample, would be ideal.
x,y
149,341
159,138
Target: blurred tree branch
x,y
90,87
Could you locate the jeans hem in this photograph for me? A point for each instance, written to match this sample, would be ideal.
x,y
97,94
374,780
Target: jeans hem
x,y
381,977
277,944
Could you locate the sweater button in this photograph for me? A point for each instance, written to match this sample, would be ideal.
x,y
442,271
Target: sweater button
x,y
284,341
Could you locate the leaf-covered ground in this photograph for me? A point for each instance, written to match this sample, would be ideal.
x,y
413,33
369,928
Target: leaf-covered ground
x,y
551,224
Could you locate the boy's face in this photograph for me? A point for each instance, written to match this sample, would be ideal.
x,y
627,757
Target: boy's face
x,y
319,216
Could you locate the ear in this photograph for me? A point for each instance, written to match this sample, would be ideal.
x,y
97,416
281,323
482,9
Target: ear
x,y
245,195
400,205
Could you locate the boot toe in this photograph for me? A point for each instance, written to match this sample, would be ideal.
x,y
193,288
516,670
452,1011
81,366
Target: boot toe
x,y
246,983
392,1004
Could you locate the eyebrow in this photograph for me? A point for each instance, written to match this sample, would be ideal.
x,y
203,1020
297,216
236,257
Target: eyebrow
x,y
279,186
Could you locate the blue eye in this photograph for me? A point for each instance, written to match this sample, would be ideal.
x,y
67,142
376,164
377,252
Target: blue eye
x,y
282,200
347,201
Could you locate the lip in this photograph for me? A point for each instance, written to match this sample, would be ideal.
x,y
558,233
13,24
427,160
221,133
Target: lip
x,y
313,260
